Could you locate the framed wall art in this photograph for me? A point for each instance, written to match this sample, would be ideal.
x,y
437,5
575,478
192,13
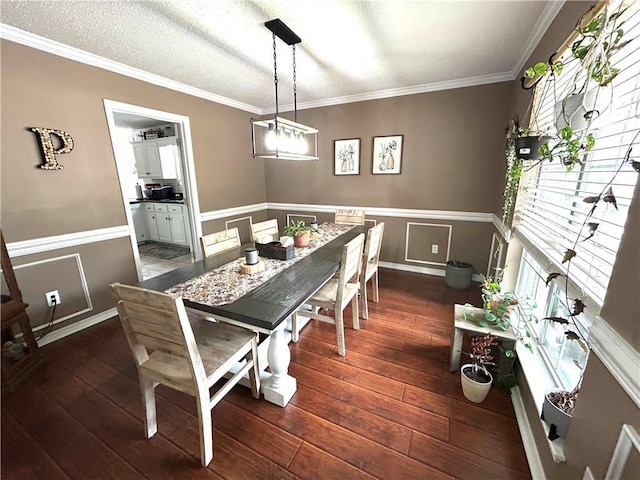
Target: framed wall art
x,y
387,154
346,157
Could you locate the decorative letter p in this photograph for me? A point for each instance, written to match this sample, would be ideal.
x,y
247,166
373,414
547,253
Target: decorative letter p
x,y
48,150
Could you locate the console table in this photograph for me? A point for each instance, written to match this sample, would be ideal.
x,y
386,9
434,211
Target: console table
x,y
462,326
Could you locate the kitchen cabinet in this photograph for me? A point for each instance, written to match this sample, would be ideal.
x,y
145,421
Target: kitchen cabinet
x,y
167,223
158,158
147,160
140,225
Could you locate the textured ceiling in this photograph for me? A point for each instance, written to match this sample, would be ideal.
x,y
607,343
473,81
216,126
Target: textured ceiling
x,y
350,50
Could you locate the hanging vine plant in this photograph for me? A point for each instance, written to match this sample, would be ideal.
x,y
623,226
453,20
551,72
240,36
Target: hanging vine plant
x,y
598,38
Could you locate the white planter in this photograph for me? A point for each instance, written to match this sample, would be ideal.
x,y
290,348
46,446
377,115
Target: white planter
x,y
556,419
472,390
596,101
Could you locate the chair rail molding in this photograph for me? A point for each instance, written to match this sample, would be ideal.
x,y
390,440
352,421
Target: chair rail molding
x,y
45,244
618,356
232,211
389,212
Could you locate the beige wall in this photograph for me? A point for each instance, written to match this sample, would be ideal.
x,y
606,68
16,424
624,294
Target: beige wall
x,y
40,89
452,159
443,167
603,406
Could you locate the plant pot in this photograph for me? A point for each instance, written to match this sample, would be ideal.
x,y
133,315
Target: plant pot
x,y
576,110
458,275
557,419
527,147
473,390
302,239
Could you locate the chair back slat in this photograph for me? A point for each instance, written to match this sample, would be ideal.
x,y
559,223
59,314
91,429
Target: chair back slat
x,y
353,217
220,241
373,243
156,321
351,262
266,228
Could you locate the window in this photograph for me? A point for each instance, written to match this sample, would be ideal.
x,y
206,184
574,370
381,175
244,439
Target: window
x,y
550,210
564,358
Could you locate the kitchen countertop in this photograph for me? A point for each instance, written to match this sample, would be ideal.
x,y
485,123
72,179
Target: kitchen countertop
x,y
148,200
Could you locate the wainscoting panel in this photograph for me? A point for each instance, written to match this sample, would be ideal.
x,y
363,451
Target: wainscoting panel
x,y
421,237
65,274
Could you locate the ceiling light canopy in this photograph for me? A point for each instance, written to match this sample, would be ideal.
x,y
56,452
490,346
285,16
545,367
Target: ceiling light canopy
x,y
277,137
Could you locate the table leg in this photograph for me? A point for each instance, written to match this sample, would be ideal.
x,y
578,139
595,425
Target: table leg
x,y
456,349
280,386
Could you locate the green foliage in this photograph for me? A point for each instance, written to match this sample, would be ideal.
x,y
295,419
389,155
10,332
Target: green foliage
x,y
296,228
569,148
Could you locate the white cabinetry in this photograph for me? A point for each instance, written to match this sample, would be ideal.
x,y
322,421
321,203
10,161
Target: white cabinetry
x,y
147,160
168,222
140,226
158,158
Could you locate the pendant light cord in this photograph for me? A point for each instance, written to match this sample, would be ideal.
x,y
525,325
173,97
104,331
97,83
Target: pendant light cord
x,y
295,90
275,78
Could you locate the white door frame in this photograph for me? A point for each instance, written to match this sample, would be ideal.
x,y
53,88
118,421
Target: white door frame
x,y
190,184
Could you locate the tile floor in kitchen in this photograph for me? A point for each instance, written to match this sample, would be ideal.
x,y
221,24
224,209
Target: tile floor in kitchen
x,y
152,266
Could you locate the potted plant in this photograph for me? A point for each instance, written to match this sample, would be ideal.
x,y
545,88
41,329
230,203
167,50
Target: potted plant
x,y
475,377
458,274
300,231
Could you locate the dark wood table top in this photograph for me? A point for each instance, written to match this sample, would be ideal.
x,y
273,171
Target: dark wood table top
x,y
268,305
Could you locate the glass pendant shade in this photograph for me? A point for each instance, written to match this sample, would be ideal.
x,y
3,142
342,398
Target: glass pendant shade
x,y
288,141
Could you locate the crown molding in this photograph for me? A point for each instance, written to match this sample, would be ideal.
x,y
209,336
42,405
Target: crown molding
x,y
56,48
398,92
545,20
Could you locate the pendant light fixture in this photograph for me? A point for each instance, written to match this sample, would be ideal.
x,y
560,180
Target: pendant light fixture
x,y
277,137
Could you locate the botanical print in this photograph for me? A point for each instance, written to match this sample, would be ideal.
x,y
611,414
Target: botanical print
x,y
347,157
387,154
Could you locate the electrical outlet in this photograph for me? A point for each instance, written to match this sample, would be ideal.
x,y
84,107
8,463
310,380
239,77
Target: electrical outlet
x,y
434,248
51,296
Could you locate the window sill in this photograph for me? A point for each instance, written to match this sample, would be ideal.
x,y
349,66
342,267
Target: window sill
x,y
539,381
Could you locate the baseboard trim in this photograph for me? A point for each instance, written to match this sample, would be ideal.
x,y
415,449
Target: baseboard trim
x,y
528,440
424,270
77,326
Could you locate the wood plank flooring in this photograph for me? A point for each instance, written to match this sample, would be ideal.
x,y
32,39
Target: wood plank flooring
x,y
389,409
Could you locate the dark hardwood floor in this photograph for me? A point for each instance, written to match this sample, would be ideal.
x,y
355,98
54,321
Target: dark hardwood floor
x,y
389,409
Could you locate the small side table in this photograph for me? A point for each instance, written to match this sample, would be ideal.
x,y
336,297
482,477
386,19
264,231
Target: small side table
x,y
462,326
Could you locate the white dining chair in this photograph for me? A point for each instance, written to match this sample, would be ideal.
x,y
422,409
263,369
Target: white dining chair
x,y
352,217
188,356
220,241
268,228
370,260
336,294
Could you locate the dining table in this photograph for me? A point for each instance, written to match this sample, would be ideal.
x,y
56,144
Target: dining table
x,y
215,288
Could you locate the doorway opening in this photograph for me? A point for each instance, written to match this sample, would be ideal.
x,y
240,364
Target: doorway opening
x,y
154,160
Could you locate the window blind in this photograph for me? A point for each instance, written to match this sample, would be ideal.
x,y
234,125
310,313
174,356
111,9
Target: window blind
x,y
550,210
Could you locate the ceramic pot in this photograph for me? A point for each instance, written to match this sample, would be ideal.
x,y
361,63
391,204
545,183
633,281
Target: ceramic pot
x,y
458,275
473,390
302,239
576,110
557,420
